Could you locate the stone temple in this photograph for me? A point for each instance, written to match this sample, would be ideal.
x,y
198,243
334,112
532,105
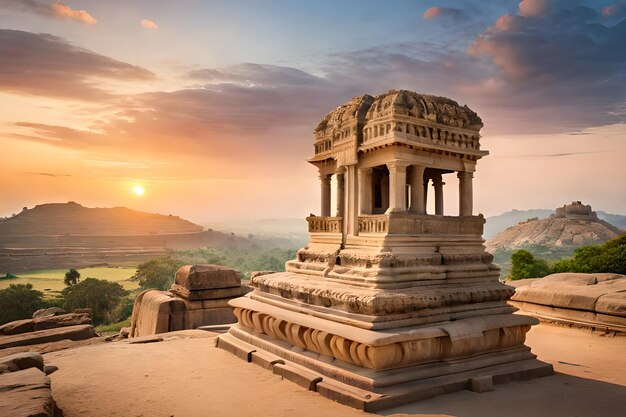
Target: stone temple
x,y
389,304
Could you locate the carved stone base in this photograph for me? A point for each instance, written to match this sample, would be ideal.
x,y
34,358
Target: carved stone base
x,y
374,347
349,385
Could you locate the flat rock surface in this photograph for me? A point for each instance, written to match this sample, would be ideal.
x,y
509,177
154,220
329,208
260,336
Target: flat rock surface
x,y
602,293
25,393
205,380
43,323
81,332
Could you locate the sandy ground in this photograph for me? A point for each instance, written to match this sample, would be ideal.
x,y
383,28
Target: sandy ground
x,y
185,376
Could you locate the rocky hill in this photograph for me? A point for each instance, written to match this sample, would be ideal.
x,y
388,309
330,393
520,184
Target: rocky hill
x,y
572,226
69,235
74,219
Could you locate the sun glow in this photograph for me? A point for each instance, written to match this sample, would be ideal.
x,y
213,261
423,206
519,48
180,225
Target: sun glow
x,y
138,190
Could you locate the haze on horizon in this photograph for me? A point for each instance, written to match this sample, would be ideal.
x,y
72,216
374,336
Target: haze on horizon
x,y
210,107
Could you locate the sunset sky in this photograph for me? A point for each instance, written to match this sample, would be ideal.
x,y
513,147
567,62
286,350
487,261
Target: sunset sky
x,y
210,106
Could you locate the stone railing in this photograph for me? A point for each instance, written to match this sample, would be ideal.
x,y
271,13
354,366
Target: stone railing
x,y
374,224
325,224
419,224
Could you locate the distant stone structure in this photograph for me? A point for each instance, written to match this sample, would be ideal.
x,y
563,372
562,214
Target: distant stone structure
x,y
576,210
389,304
198,297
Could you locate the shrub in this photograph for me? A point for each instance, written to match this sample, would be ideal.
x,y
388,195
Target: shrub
x,y
157,273
19,301
100,296
525,265
608,257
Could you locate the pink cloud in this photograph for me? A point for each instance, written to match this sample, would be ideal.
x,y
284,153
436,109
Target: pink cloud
x,y
533,8
149,24
432,13
610,10
64,11
439,12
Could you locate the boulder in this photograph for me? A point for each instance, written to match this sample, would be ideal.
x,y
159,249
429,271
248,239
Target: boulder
x,y
26,393
48,312
206,277
43,323
21,361
80,332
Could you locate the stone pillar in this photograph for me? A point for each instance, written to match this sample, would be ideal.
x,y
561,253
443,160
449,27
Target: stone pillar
x,y
418,200
425,188
438,186
325,191
340,195
397,186
351,212
466,202
365,191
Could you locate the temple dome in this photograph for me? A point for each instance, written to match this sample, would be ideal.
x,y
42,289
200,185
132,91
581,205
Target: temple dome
x,y
435,109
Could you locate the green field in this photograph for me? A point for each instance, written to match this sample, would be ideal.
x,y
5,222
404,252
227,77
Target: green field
x,y
50,281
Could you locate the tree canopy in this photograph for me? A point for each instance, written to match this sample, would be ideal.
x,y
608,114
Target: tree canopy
x,y
100,296
19,301
525,265
71,277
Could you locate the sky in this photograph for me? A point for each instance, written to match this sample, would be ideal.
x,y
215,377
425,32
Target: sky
x,y
211,106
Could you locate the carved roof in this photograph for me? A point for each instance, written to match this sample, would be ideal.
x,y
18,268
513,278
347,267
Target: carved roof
x,y
354,109
440,110
435,109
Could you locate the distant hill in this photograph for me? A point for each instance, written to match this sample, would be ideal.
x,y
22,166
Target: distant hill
x,y
70,235
550,238
496,224
615,219
74,219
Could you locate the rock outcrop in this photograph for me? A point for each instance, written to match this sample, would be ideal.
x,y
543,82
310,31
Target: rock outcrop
x,y
25,388
572,226
592,300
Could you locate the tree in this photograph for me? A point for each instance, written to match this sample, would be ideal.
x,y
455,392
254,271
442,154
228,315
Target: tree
x,y
19,301
157,273
100,296
525,265
71,277
608,257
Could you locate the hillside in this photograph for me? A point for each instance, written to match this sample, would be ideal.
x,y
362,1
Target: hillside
x,y
51,236
71,218
499,223
557,236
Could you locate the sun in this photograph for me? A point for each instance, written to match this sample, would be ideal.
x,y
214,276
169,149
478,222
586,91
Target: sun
x,y
139,190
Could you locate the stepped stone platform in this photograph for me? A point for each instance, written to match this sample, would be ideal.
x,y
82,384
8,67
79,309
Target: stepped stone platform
x,y
588,300
387,303
198,297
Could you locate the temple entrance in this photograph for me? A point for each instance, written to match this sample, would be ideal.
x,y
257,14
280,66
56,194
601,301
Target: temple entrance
x,y
380,189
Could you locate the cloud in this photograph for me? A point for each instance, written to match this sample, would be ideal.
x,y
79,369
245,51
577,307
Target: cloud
x,y
54,10
560,58
149,24
225,122
49,174
46,65
249,74
444,12
64,11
